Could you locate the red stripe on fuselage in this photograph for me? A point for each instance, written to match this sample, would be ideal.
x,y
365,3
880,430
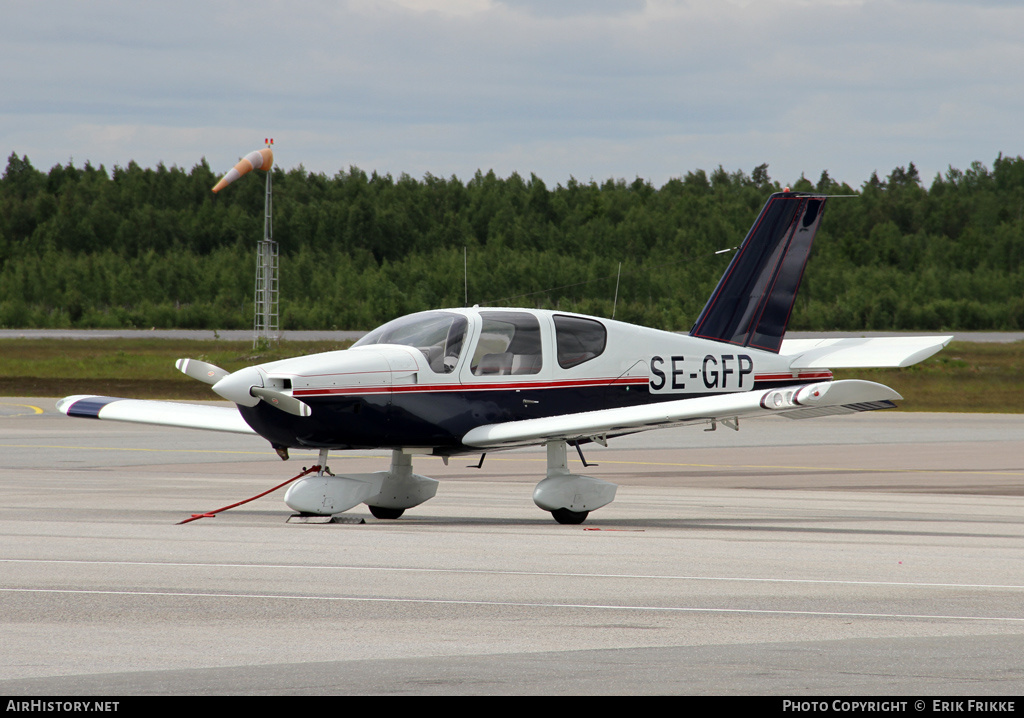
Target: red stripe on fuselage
x,y
530,385
495,386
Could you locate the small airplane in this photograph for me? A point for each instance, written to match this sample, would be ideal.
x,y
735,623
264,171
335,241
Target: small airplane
x,y
480,379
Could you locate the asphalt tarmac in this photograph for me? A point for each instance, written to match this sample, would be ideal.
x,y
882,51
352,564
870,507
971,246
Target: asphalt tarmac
x,y
878,554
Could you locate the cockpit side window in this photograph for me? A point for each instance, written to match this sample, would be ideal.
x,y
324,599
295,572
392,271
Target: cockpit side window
x,y
509,344
439,335
578,340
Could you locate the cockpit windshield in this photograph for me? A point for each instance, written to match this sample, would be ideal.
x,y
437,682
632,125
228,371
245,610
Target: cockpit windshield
x,y
439,335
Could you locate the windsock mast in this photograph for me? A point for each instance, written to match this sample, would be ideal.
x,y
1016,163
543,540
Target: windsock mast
x,y
265,321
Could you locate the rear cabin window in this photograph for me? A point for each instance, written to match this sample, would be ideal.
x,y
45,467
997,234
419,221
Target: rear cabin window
x,y
578,340
509,344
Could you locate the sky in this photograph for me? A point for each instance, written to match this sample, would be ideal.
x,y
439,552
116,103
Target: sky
x,y
584,89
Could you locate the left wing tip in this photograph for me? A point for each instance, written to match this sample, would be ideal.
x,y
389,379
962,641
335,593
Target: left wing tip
x,y
84,405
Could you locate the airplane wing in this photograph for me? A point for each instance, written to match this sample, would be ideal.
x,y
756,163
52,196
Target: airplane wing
x,y
807,401
162,413
860,352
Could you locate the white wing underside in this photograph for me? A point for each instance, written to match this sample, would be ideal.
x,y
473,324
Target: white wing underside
x,y
161,413
810,400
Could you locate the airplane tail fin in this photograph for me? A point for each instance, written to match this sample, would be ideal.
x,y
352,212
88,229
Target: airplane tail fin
x,y
754,298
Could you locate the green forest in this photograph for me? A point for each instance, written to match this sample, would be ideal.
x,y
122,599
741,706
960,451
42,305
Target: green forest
x,y
84,246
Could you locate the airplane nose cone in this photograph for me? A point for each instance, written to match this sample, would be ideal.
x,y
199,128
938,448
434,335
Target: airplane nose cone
x,y
235,387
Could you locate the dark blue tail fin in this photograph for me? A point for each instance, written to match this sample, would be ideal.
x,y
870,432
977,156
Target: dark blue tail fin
x,y
753,300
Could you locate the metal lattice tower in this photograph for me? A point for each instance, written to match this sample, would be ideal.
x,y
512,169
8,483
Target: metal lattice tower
x,y
265,324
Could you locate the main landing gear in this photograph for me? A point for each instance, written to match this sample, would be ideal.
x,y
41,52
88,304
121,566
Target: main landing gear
x,y
570,497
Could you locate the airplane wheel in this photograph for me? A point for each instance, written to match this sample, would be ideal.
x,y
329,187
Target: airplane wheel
x,y
565,516
381,512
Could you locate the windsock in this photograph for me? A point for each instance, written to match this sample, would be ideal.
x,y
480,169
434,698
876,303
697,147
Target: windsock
x,y
256,160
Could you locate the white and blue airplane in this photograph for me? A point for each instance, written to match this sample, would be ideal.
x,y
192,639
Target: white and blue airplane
x,y
480,379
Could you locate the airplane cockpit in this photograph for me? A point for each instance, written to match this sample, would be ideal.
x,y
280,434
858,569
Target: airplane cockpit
x,y
508,343
439,335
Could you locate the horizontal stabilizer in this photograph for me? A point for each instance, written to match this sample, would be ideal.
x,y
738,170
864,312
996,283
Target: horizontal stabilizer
x,y
610,422
860,352
161,413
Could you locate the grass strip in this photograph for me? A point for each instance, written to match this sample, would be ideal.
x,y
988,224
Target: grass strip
x,y
135,368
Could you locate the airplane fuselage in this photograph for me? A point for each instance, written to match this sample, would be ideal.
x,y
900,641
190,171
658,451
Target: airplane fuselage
x,y
436,375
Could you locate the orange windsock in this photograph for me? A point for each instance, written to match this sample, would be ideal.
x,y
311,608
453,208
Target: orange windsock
x,y
256,160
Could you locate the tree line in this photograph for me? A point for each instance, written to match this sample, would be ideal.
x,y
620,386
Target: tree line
x,y
81,246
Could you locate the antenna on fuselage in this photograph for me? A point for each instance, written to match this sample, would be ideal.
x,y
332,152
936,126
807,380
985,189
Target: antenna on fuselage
x,y
465,272
615,302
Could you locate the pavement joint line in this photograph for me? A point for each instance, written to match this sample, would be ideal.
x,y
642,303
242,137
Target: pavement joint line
x,y
521,604
555,574
112,448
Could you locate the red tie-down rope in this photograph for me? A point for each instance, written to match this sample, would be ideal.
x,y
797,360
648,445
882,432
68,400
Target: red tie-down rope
x,y
211,514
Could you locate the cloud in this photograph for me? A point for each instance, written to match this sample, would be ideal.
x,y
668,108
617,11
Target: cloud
x,y
596,88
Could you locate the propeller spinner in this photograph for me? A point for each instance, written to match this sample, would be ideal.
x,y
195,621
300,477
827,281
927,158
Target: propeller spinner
x,y
244,386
